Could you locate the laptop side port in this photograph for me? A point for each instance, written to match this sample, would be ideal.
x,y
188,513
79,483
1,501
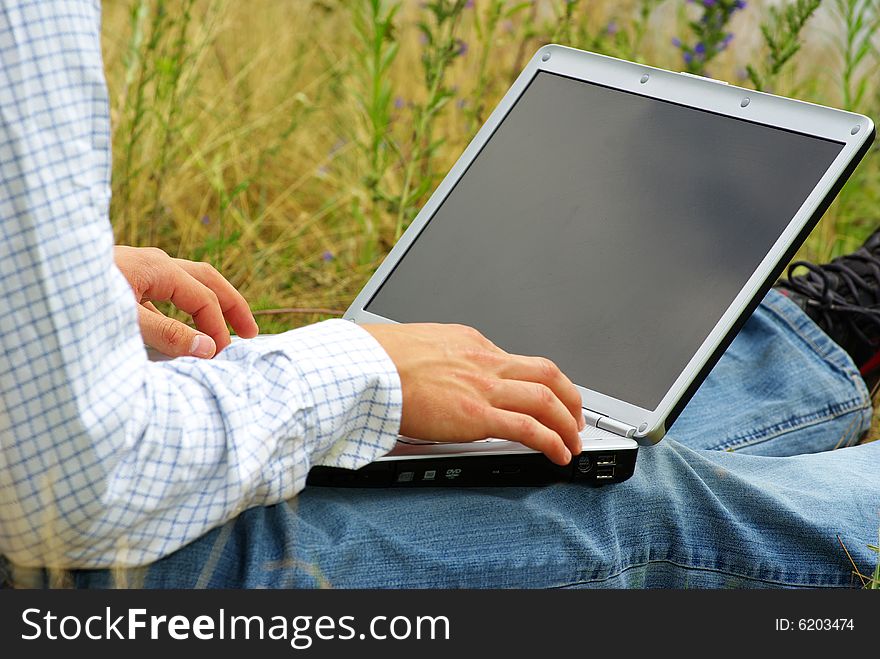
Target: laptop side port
x,y
605,473
606,460
583,464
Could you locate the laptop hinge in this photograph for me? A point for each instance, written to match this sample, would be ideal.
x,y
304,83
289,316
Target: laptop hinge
x,y
609,424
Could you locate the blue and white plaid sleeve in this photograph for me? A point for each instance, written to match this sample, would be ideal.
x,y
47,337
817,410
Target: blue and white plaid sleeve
x,y
107,458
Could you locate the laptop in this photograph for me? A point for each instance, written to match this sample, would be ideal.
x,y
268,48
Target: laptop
x,y
622,220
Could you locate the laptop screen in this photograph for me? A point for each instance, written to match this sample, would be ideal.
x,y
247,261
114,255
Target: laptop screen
x,y
605,230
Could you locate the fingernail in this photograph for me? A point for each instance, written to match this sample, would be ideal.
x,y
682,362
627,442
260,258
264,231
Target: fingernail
x,y
202,346
567,456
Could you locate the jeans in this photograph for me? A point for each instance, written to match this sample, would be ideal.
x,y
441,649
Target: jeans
x,y
758,484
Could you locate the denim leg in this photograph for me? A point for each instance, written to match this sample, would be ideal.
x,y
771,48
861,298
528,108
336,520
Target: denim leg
x,y
690,516
776,389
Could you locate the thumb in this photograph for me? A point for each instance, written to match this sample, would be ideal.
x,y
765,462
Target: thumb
x,y
173,338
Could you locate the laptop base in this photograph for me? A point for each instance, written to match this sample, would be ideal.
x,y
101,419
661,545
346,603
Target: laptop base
x,y
522,469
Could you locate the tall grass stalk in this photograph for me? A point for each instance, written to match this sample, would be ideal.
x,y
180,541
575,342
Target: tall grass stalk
x,y
441,48
376,54
486,27
565,11
874,582
167,94
861,20
527,32
640,26
144,62
783,35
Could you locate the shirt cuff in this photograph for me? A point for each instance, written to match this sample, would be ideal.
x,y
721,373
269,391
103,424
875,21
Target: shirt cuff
x,y
356,393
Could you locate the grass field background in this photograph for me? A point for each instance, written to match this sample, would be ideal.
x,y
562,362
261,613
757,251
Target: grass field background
x,y
290,142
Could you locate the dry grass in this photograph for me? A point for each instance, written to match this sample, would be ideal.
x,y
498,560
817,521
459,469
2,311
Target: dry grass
x,y
242,131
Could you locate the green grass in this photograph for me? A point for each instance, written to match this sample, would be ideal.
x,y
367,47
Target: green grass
x,y
290,143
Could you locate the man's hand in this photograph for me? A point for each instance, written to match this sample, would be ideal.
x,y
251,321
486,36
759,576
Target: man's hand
x,y
195,288
458,386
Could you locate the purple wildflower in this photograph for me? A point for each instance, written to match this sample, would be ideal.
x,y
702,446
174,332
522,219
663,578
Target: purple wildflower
x,y
399,102
700,48
461,47
611,28
676,42
708,3
688,58
469,4
206,220
327,256
740,4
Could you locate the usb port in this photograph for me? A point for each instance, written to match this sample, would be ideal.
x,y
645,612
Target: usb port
x,y
606,460
604,473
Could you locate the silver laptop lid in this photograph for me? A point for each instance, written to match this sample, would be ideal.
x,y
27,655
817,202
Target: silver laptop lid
x,y
617,219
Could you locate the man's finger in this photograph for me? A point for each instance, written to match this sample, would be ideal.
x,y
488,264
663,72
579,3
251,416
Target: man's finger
x,y
173,338
527,430
538,401
544,371
235,308
192,297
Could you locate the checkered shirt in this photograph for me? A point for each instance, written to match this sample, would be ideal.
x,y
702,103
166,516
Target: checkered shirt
x,y
107,458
